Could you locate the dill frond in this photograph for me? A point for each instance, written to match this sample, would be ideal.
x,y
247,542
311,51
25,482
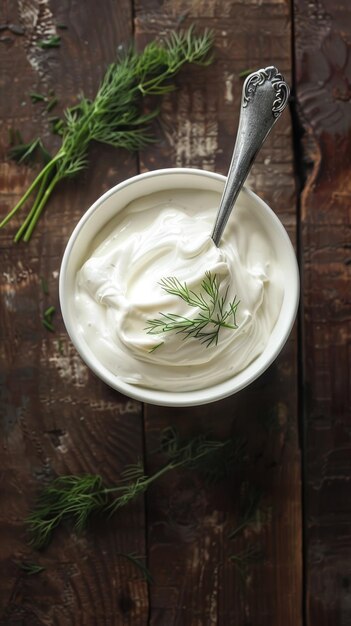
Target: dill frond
x,y
30,568
137,561
114,117
212,316
242,560
78,497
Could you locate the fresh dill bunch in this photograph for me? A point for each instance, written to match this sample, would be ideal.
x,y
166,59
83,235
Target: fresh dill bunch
x,y
214,312
78,497
114,116
74,496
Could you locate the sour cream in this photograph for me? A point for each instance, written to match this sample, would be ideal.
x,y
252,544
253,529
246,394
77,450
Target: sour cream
x,y
167,234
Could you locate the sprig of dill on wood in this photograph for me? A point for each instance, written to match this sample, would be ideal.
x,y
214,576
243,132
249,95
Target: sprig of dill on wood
x,y
214,312
78,497
217,466
251,513
30,568
242,560
137,561
47,318
29,152
249,510
114,116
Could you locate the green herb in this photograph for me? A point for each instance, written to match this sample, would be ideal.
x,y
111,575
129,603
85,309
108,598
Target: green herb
x,y
207,324
49,312
242,560
78,497
251,513
114,116
31,568
222,463
215,467
48,325
29,152
250,504
57,125
15,137
47,320
137,561
24,152
52,42
51,104
245,73
60,346
158,345
37,97
44,285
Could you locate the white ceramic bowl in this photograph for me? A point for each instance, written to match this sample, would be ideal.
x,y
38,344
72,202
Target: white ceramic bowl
x,y
113,201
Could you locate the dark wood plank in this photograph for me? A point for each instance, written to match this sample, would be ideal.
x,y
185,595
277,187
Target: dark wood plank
x,y
188,523
323,66
56,417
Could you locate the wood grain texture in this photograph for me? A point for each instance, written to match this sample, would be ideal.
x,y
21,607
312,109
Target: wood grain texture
x,y
56,417
323,65
188,523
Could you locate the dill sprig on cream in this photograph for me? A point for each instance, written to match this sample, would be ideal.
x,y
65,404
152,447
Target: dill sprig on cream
x,y
114,116
214,312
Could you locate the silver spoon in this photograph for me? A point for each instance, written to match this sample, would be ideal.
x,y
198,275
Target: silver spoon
x,y
265,95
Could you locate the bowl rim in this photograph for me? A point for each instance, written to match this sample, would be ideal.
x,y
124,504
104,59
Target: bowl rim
x,y
158,397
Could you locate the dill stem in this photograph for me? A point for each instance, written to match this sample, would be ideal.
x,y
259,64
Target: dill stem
x,y
166,468
152,84
31,189
40,207
39,195
222,324
237,530
147,482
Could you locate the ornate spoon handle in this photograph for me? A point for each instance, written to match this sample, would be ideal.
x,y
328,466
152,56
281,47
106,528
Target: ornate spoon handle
x,y
265,95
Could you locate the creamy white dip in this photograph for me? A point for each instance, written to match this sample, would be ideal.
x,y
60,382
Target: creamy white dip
x,y
168,234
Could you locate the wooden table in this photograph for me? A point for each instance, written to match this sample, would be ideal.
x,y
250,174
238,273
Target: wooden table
x,y
58,418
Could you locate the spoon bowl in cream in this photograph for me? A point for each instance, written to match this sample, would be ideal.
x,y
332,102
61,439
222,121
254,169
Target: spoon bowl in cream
x,y
156,225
